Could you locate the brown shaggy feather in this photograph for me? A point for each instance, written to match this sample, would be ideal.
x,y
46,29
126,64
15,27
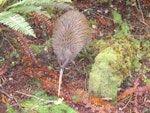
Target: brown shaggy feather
x,y
70,35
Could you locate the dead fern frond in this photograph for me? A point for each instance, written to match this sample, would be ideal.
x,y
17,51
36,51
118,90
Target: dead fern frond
x,y
44,20
26,48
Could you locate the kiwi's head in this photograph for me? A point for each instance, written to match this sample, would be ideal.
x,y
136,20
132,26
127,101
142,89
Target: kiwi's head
x,y
64,57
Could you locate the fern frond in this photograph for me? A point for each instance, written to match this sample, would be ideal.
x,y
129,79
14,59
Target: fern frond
x,y
45,3
42,2
26,49
28,9
60,5
16,22
25,9
14,5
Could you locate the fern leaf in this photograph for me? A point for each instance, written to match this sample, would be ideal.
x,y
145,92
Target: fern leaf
x,y
16,22
25,9
28,9
45,3
59,5
23,42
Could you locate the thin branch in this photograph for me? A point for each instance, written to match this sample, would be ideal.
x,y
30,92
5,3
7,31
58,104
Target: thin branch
x,y
141,10
5,93
120,109
2,42
10,44
143,19
32,96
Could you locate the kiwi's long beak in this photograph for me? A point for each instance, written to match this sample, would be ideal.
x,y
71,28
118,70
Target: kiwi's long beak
x,y
60,80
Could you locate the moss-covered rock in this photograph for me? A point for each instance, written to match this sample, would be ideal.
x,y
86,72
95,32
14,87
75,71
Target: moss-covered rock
x,y
112,66
103,81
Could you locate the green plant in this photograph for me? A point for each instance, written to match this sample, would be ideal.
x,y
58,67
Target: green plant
x,y
62,108
128,2
102,81
117,17
38,49
112,66
10,109
123,29
103,1
38,104
85,54
114,62
16,22
14,14
2,60
34,82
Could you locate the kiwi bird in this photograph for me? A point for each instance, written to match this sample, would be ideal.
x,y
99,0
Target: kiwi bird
x,y
71,34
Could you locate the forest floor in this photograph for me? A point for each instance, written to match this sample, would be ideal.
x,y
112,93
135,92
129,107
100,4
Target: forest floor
x,y
19,77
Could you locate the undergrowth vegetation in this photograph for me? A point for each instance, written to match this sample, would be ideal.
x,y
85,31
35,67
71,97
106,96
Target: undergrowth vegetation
x,y
14,14
119,58
39,105
41,102
116,58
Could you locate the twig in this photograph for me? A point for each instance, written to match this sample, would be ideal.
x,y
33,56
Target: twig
x,y
140,10
11,97
143,20
44,102
2,42
5,93
120,109
86,78
28,95
2,80
9,43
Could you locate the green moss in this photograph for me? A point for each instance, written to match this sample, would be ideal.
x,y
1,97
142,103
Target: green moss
x,y
103,81
92,22
38,49
76,98
112,66
61,108
34,82
47,43
10,109
117,17
37,104
103,1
